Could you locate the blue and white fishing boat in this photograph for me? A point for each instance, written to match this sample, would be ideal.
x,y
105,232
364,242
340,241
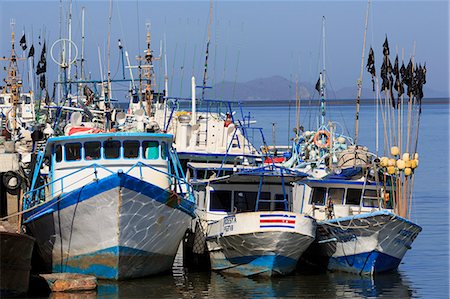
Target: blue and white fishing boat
x,y
357,228
114,204
362,202
248,220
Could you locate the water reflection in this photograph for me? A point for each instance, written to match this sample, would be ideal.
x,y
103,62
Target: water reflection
x,y
214,285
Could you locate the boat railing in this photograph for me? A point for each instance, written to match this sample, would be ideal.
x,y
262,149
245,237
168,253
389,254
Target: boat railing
x,y
38,195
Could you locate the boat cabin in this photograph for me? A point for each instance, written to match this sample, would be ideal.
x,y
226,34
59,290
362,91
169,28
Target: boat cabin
x,y
25,107
77,160
249,189
329,199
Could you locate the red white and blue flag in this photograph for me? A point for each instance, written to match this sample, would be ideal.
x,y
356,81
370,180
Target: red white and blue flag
x,y
276,221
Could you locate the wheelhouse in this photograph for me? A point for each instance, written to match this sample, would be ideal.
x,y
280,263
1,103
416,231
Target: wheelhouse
x,y
95,156
327,199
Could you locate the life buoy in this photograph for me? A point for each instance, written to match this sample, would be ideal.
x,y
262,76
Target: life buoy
x,y
316,139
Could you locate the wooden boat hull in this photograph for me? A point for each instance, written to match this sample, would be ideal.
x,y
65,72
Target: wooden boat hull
x,y
15,252
118,227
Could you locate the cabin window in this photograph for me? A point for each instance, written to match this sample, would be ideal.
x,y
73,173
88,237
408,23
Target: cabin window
x,y
2,100
151,150
130,149
73,151
220,201
92,150
27,100
58,153
353,197
370,198
318,196
246,201
164,150
111,149
279,202
336,195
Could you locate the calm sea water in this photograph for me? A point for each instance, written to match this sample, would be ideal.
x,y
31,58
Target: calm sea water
x,y
424,272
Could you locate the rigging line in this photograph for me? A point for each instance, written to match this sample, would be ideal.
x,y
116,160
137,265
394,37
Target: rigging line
x,y
173,65
182,68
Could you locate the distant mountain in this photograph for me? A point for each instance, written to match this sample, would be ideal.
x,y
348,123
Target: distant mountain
x,y
272,88
280,88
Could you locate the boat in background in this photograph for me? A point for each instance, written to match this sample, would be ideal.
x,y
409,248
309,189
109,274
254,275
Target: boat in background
x,y
111,204
248,221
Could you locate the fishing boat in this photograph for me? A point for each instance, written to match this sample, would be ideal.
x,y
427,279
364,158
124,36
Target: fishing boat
x,y
248,221
15,257
110,204
362,201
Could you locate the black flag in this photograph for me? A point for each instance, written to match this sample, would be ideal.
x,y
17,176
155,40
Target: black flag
x,y
23,42
318,85
409,76
386,47
31,52
42,82
371,66
398,80
42,64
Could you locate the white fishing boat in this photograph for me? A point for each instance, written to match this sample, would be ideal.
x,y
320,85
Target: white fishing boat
x,y
248,220
110,204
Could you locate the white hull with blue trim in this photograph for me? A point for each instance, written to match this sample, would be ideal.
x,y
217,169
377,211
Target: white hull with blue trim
x,y
104,221
357,229
259,243
115,228
366,243
248,221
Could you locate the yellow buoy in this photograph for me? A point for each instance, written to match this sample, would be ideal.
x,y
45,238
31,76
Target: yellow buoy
x,y
408,171
391,162
400,164
416,156
395,151
405,157
384,161
408,164
413,164
391,169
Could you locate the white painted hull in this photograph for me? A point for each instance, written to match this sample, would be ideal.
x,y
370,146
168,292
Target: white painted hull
x,y
367,244
130,229
249,244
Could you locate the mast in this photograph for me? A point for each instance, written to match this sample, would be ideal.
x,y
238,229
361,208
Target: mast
x,y
359,83
13,82
70,39
207,49
82,43
322,77
108,84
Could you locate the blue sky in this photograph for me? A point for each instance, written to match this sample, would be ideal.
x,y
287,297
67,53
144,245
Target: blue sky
x,y
250,39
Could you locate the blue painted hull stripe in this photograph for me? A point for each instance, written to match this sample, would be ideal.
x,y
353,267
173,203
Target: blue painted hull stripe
x,y
364,263
278,215
103,185
276,226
